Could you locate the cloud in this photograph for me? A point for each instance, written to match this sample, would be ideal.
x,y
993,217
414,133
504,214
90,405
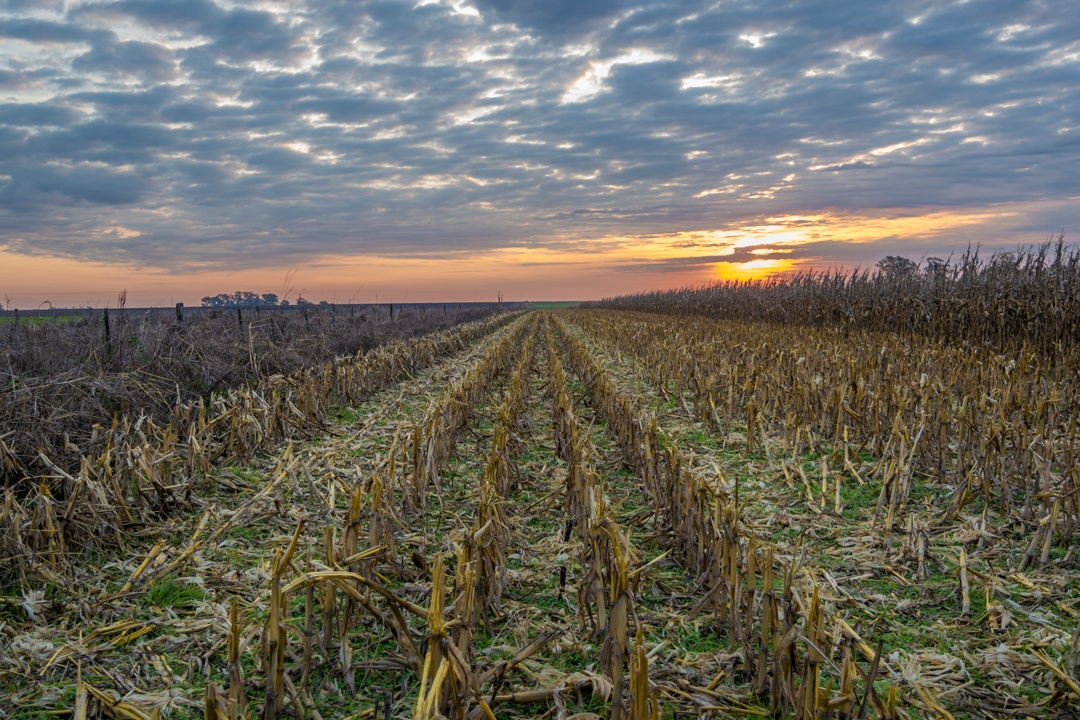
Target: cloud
x,y
151,61
553,16
34,30
36,114
237,33
32,187
252,132
180,14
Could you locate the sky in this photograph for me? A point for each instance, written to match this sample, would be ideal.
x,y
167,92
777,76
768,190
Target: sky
x,y
542,149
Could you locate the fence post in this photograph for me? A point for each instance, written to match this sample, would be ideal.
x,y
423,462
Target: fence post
x,y
179,312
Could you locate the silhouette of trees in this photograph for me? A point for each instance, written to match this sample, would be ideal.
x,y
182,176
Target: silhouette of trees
x,y
240,298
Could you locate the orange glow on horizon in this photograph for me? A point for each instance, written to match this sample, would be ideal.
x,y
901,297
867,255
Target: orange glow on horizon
x,y
753,270
779,235
855,228
559,267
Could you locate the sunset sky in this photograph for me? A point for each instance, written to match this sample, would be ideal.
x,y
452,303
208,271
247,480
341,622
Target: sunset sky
x,y
452,150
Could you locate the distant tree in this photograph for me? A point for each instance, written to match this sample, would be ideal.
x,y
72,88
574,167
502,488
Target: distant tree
x,y
896,266
302,302
240,298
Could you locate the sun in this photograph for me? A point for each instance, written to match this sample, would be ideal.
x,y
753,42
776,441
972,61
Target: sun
x,y
752,270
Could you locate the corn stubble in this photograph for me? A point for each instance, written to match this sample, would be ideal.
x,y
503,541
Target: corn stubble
x,y
990,434
998,429
422,556
140,471
706,525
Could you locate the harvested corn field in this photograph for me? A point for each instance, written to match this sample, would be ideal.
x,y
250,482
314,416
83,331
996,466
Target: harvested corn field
x,y
556,514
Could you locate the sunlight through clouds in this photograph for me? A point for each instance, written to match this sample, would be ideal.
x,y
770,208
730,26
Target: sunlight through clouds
x,y
638,143
591,83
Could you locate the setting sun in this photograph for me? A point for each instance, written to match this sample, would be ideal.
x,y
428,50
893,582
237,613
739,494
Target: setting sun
x,y
752,270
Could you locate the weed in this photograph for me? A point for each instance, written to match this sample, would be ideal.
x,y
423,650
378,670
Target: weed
x,y
172,592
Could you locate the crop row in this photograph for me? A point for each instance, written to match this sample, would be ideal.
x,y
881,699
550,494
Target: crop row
x,y
1001,430
61,379
347,586
138,471
785,645
431,576
607,589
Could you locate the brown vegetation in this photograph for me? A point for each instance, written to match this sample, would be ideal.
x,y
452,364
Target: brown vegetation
x,y
1030,296
139,469
586,513
62,384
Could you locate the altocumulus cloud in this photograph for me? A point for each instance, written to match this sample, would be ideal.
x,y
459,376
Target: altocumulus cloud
x,y
240,133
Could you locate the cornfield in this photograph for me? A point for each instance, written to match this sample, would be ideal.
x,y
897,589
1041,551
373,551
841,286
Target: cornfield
x,y
1029,297
589,513
58,380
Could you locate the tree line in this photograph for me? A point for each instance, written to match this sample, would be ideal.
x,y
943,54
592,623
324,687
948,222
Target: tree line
x,y
245,298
